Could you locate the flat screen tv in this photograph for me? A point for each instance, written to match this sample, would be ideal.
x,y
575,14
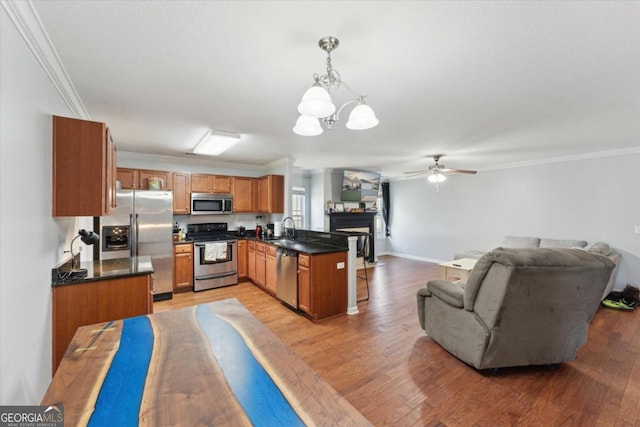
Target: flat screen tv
x,y
360,186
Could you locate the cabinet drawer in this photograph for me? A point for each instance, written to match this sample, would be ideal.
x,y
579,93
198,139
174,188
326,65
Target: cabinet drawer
x,y
252,245
183,248
271,250
303,260
260,247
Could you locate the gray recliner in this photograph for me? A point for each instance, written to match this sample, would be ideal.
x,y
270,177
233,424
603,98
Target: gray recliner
x,y
518,307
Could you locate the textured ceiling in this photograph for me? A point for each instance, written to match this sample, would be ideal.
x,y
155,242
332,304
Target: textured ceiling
x,y
484,83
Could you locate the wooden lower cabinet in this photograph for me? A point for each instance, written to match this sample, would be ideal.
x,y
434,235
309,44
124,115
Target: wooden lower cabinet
x,y
251,260
322,284
304,283
261,272
183,267
98,301
243,259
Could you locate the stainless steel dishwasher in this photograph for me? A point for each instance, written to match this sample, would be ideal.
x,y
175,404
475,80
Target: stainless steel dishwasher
x,y
287,276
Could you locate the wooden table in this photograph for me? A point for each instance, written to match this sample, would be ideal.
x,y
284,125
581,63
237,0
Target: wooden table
x,y
211,364
459,268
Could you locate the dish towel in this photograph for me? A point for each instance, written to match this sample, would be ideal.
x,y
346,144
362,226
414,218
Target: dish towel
x,y
221,250
215,251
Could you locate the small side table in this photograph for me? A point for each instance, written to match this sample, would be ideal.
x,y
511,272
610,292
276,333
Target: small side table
x,y
459,268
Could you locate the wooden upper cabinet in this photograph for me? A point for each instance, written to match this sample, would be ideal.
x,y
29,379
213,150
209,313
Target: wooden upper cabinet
x,y
164,177
201,183
181,193
138,179
128,178
271,194
84,158
242,192
222,184
206,183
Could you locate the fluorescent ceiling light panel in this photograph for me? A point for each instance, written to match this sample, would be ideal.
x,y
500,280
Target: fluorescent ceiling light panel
x,y
216,142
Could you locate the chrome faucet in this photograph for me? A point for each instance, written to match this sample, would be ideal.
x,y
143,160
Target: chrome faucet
x,y
292,230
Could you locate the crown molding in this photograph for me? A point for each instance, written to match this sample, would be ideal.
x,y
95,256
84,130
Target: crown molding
x,y
563,159
28,23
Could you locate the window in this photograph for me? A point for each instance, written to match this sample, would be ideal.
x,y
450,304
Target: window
x,y
298,203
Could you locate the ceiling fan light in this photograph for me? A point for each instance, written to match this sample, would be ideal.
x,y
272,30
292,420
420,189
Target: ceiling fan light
x,y
362,117
436,178
316,102
307,126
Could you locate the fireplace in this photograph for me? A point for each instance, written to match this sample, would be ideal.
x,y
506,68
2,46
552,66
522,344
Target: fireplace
x,y
357,222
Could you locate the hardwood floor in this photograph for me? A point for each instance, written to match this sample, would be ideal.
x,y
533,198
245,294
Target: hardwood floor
x,y
388,369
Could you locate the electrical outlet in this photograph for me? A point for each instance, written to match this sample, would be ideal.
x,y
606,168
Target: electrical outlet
x,y
340,265
637,229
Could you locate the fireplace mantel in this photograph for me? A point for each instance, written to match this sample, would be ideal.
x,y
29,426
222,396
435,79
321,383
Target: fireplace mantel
x,y
342,220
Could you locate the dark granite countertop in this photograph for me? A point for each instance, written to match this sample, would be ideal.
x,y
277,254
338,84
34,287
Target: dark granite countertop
x,y
179,242
308,245
310,248
106,269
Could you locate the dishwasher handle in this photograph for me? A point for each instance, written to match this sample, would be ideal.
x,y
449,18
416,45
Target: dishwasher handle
x,y
283,252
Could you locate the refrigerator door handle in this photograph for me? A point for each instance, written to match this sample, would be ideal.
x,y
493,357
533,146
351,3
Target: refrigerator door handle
x,y
137,232
132,237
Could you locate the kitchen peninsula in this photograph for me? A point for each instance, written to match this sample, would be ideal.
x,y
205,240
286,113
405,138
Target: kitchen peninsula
x,y
112,289
322,274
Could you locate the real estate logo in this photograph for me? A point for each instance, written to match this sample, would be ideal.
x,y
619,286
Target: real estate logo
x,y
32,416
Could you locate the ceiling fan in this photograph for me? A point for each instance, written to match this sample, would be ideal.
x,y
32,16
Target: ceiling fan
x,y
436,172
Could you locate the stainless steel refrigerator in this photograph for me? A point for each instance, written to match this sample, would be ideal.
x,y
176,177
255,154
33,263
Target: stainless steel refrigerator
x,y
141,225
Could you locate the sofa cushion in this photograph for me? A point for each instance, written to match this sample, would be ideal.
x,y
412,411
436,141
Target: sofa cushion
x,y
599,248
559,243
520,242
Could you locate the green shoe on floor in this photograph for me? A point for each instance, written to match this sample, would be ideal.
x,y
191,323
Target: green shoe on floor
x,y
618,305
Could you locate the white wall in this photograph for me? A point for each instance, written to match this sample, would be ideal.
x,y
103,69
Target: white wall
x,y
31,241
590,199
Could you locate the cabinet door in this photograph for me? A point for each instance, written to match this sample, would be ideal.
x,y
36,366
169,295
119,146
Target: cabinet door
x,y
263,194
242,192
304,289
222,184
181,193
110,196
251,261
260,264
183,267
271,194
270,269
165,179
201,183
243,258
128,178
82,172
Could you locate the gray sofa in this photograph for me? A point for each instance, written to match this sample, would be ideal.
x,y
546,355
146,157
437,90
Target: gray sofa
x,y
537,242
519,307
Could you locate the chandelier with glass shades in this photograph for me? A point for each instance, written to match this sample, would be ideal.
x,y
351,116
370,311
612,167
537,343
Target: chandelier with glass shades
x,y
316,105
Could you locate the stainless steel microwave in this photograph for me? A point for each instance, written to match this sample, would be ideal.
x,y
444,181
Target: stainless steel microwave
x,y
211,204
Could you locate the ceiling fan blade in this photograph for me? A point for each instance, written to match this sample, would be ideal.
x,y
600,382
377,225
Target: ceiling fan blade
x,y
417,172
449,170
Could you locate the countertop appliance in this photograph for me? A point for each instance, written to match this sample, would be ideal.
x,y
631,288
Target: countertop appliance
x,y
211,204
215,262
141,225
287,276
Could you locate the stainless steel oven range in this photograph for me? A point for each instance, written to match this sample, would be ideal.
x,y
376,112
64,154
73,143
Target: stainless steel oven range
x,y
215,262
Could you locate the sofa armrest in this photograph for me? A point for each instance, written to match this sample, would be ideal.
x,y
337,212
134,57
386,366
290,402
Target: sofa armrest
x,y
451,293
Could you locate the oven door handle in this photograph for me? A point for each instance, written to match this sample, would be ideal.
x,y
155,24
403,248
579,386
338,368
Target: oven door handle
x,y
216,276
228,242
